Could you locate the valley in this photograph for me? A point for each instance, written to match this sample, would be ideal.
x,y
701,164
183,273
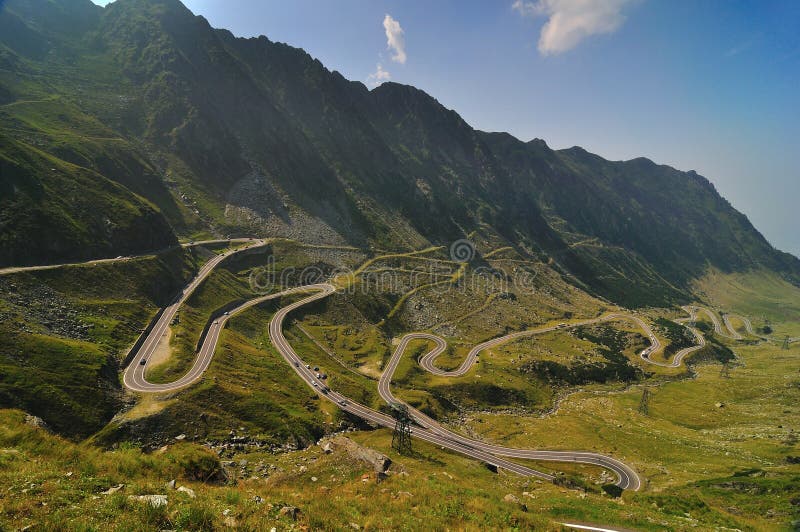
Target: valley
x,y
498,442
239,290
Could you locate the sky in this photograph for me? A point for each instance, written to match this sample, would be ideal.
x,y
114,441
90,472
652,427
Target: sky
x,y
711,86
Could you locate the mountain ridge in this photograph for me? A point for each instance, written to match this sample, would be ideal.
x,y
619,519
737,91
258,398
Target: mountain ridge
x,y
255,137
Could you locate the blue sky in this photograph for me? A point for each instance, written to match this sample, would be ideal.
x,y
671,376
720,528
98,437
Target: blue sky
x,y
712,86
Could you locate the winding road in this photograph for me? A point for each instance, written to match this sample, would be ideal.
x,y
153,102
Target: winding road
x,y
134,377
732,333
17,269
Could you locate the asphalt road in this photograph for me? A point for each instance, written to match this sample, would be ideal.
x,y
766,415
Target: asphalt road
x,y
726,318
15,269
134,376
626,476
427,429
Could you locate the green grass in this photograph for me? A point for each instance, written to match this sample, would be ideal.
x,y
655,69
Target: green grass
x,y
228,283
431,489
69,378
696,431
686,447
76,209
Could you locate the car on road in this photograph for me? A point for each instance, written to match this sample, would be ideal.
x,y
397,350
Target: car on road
x,y
143,362
308,366
343,402
227,313
319,376
296,364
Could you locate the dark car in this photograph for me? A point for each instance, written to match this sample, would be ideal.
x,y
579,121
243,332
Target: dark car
x,y
143,362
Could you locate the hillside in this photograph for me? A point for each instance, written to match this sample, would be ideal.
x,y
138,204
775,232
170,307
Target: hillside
x,y
620,346
223,135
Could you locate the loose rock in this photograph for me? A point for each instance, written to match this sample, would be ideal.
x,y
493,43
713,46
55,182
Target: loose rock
x,y
156,501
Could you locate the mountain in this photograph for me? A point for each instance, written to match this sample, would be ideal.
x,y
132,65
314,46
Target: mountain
x,y
174,128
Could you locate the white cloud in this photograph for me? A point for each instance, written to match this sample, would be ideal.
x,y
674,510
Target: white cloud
x,y
743,46
394,39
379,76
571,21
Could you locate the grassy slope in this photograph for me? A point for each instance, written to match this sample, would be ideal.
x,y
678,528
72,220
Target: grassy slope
x,y
54,210
58,126
249,385
431,489
760,295
77,188
246,384
65,331
698,431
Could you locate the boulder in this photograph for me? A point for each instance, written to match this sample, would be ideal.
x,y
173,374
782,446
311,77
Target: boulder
x,y
290,511
112,489
187,491
156,501
378,461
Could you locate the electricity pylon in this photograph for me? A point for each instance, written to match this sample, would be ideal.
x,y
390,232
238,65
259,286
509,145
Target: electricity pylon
x,y
401,439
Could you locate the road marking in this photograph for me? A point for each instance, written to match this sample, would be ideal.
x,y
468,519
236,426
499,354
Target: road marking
x,y
430,430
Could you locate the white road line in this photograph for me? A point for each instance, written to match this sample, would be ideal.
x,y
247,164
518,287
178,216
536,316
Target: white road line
x,y
429,430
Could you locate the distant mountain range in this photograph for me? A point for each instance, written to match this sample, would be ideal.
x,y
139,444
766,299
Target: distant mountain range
x,y
125,127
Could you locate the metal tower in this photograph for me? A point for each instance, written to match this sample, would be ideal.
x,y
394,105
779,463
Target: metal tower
x,y
401,439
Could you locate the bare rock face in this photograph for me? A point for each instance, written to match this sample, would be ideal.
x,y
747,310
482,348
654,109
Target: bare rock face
x,y
37,422
378,461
